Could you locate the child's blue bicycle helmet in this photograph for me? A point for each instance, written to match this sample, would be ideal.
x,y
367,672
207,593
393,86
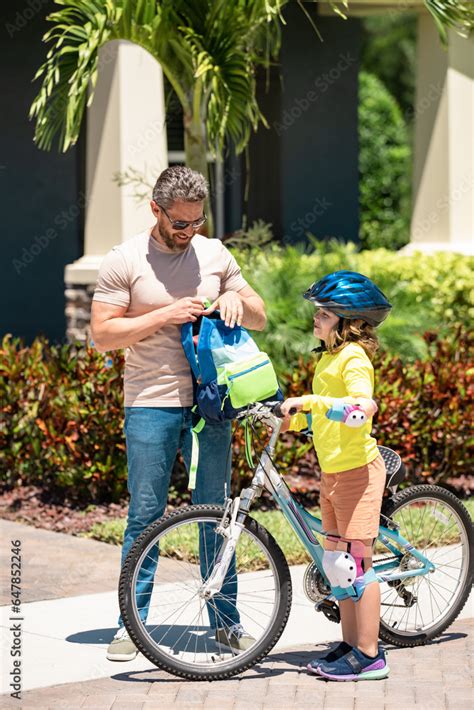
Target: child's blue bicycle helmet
x,y
350,295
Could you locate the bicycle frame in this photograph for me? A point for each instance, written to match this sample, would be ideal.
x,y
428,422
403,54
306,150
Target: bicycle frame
x,y
305,525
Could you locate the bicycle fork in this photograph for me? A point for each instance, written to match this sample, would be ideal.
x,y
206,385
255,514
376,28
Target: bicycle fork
x,y
238,510
231,535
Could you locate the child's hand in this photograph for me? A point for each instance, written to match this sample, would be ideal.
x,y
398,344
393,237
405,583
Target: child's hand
x,y
293,403
369,406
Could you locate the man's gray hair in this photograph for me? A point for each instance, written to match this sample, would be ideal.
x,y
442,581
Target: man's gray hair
x,y
179,183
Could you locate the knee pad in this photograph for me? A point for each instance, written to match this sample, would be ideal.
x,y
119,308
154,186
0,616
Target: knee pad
x,y
360,583
341,570
344,569
358,551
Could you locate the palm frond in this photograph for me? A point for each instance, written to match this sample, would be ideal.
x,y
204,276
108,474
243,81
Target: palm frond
x,y
70,69
208,49
452,14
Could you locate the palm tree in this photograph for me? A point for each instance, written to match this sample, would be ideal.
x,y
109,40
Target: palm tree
x,y
208,50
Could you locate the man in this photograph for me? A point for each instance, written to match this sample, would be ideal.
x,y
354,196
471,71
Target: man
x,y
147,287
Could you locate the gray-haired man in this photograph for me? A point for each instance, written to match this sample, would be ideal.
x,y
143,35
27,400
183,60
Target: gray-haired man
x,y
147,287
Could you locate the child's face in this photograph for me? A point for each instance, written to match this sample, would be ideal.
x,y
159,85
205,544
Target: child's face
x,y
324,322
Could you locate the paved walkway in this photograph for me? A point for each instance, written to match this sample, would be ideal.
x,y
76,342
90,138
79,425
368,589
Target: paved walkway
x,y
64,640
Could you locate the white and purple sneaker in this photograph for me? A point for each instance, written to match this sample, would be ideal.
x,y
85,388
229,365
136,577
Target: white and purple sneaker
x,y
355,665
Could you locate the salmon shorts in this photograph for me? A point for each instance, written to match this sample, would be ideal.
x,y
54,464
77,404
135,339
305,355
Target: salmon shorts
x,y
351,500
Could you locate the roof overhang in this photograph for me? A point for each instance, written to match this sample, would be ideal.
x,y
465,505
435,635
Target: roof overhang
x,y
361,8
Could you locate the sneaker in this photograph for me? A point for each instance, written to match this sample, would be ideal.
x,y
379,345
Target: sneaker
x,y
355,665
234,637
122,647
337,652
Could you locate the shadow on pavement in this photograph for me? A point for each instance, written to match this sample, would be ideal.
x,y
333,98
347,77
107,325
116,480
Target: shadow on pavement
x,y
447,636
93,636
176,637
292,661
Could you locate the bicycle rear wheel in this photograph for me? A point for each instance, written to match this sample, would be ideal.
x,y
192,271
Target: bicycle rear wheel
x,y
418,609
178,635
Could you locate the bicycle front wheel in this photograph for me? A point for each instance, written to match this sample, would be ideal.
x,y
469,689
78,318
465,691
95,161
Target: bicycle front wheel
x,y
419,608
173,625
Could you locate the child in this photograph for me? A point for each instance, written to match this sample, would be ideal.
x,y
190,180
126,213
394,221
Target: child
x,y
350,307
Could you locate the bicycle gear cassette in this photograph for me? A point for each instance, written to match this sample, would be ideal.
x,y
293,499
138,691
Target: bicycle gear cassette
x,y
409,563
314,584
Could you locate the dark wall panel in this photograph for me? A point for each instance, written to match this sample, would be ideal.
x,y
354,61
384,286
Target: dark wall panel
x,y
264,178
41,194
318,127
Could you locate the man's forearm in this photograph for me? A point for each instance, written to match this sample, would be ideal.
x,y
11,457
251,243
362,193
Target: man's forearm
x,y
254,313
117,333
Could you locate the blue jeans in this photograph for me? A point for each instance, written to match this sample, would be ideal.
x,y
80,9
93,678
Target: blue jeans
x,y
153,436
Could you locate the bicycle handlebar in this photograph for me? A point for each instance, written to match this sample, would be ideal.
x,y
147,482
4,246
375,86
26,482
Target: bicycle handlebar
x,y
276,410
351,415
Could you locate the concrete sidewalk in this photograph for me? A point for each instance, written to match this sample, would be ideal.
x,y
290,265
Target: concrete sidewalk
x,y
64,641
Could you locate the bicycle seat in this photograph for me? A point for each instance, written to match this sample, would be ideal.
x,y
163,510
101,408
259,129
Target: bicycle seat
x,y
396,470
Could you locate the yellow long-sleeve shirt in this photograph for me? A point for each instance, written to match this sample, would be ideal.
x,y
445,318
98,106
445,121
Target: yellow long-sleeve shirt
x,y
347,374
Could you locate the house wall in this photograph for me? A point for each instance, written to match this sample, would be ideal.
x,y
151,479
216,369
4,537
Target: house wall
x,y
304,168
42,194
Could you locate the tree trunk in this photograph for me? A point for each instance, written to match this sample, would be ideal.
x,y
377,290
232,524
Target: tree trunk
x,y
195,149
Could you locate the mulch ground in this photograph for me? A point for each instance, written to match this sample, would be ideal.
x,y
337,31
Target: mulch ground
x,y
33,506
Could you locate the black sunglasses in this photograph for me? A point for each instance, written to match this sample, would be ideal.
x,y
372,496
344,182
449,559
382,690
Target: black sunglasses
x,y
179,224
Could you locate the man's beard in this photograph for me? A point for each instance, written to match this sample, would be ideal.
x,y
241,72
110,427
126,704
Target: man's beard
x,y
171,241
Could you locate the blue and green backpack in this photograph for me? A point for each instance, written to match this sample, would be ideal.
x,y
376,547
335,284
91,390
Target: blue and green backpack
x,y
229,372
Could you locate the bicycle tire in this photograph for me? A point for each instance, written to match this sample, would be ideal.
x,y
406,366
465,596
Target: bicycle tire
x,y
162,660
389,509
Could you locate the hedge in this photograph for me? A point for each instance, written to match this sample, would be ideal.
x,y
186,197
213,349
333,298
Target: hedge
x,y
62,418
427,292
384,167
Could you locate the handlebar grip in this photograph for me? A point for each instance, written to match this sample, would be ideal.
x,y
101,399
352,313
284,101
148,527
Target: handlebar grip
x,y
276,410
278,413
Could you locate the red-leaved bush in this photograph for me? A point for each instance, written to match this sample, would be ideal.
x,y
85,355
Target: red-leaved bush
x,y
62,418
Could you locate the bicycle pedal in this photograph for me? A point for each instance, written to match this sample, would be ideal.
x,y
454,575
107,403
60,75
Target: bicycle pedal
x,y
330,610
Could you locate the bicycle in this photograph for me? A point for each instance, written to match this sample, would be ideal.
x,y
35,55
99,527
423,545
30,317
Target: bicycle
x,y
212,556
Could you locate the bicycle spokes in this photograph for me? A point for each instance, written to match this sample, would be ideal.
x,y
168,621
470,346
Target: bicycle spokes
x,y
180,621
420,602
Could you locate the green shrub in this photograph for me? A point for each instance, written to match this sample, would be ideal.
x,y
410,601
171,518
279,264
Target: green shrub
x,y
62,419
427,292
389,51
384,167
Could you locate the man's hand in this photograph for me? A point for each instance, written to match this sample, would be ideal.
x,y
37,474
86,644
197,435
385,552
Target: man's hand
x,y
184,310
230,306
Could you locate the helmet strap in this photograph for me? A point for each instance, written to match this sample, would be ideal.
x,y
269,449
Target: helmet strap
x,y
321,349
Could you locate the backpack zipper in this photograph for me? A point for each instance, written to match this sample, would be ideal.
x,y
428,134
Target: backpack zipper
x,y
250,369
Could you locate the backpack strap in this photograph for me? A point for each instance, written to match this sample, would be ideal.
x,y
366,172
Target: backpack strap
x,y
195,453
248,445
189,349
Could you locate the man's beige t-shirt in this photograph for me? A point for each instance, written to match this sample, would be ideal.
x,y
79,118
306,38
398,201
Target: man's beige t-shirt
x,y
142,275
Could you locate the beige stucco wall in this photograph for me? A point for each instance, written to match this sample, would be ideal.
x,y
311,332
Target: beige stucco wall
x,y
126,129
443,170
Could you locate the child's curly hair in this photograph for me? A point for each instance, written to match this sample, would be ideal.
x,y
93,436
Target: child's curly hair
x,y
353,331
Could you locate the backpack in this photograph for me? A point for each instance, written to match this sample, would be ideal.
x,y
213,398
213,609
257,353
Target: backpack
x,y
229,372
